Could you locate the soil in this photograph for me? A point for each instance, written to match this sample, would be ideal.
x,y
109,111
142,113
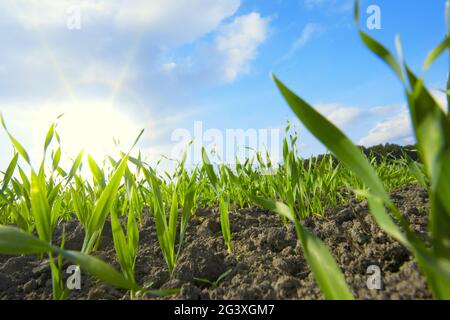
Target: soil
x,y
266,263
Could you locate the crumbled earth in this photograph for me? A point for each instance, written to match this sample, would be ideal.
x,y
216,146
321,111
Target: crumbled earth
x,y
266,263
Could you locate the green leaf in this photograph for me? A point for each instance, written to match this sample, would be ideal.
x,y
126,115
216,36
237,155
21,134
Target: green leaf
x,y
173,221
19,148
99,269
78,207
153,181
97,173
137,139
431,126
61,172
225,222
121,246
49,137
385,221
55,212
107,197
443,185
15,241
59,290
432,130
56,158
356,12
223,276
75,167
417,170
334,140
437,52
103,205
209,169
132,234
25,180
9,172
384,54
186,212
162,227
40,207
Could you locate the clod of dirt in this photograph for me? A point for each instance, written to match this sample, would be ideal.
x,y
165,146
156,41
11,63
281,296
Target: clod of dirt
x,y
209,227
199,261
5,282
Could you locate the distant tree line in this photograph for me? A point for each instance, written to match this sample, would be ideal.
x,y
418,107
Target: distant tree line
x,y
391,151
388,151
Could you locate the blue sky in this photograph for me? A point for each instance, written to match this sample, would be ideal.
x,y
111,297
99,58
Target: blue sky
x,y
114,68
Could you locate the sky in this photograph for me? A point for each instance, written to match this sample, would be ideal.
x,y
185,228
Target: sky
x,y
201,69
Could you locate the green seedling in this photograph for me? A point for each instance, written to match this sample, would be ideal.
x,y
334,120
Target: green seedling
x,y
214,284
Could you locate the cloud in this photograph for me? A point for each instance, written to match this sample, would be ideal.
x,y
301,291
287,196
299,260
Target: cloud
x,y
169,66
182,21
125,63
169,20
308,32
397,127
238,41
441,98
43,13
226,57
103,61
386,109
339,115
394,129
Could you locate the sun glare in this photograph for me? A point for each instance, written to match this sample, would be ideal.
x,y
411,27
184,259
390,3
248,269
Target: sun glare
x,y
94,128
88,125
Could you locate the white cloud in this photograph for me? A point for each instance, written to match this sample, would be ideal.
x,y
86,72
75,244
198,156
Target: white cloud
x,y
103,74
169,20
386,109
175,19
167,67
396,128
223,57
238,41
308,32
339,115
441,98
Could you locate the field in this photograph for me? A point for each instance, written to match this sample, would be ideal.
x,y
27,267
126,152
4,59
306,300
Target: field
x,y
264,261
352,223
265,264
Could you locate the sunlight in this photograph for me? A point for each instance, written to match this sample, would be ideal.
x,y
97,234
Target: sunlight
x,y
89,125
93,127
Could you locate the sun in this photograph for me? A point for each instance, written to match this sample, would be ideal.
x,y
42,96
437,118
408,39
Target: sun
x,y
95,127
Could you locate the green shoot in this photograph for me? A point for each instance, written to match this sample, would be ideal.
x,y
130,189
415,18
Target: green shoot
x,y
215,284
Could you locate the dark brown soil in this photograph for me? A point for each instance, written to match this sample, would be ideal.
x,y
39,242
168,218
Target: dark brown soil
x,y
267,262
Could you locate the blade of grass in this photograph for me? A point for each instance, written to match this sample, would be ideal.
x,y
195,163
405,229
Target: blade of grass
x,y
19,148
9,172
